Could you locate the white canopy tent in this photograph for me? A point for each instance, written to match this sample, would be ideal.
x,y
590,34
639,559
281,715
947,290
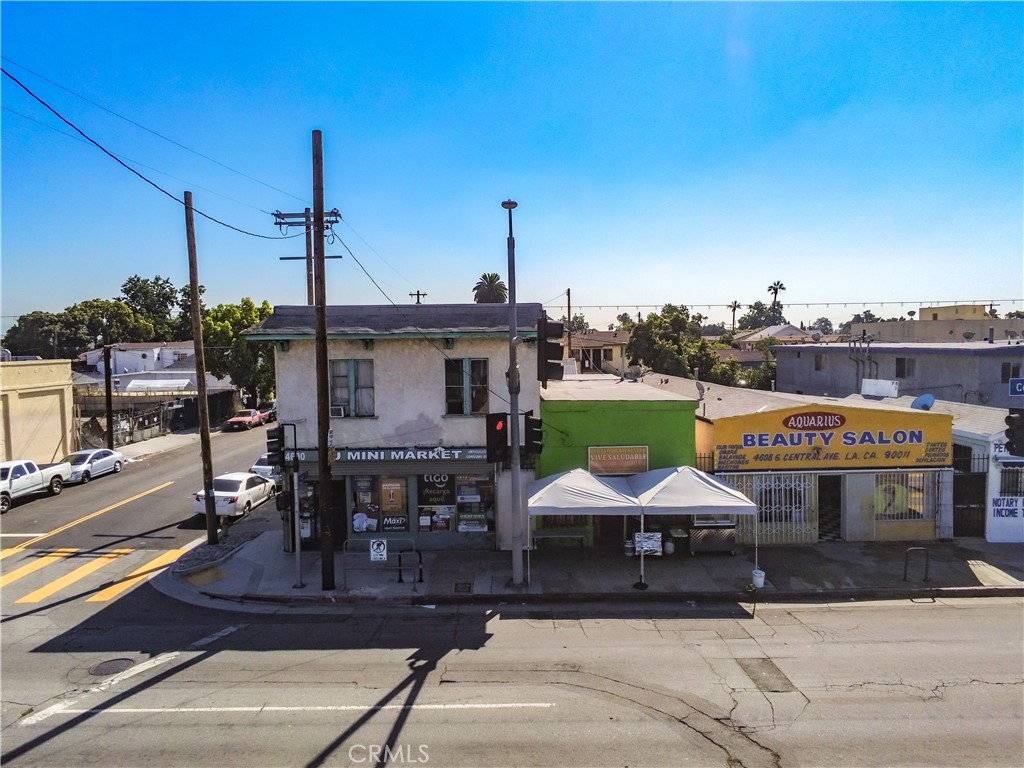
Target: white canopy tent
x,y
576,491
687,491
669,491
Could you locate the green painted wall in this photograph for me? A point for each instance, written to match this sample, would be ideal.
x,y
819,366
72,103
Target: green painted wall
x,y
667,427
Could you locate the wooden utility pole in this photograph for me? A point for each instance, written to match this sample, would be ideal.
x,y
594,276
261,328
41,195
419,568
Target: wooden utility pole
x,y
204,406
568,320
323,411
109,399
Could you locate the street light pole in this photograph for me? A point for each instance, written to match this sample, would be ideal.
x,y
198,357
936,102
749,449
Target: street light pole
x,y
512,377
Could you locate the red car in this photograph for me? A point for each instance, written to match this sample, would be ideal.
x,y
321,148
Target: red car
x,y
247,418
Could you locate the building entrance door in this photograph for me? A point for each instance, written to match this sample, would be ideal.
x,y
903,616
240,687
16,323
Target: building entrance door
x,y
830,507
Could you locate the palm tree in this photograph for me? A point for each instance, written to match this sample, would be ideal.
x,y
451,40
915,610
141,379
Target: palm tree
x,y
732,308
774,289
489,289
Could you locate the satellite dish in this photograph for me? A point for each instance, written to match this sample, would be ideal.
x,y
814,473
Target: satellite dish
x,y
816,336
923,402
968,335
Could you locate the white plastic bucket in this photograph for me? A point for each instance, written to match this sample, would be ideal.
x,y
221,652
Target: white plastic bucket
x,y
670,547
758,576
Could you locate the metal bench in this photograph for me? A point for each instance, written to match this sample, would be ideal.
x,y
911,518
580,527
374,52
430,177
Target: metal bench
x,y
560,533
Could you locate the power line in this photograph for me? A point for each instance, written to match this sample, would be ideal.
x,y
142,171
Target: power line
x,y
123,164
149,130
132,160
792,305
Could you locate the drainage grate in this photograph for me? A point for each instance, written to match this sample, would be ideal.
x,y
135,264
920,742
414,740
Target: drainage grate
x,y
111,667
463,586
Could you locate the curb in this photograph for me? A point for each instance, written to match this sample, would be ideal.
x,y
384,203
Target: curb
x,y
739,596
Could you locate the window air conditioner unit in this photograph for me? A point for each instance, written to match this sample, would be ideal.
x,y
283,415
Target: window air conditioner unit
x,y
337,411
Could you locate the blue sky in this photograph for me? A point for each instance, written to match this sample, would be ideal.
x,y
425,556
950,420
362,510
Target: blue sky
x,y
686,153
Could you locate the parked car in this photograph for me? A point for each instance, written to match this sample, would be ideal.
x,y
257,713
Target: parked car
x,y
247,418
262,467
270,409
87,464
236,493
24,478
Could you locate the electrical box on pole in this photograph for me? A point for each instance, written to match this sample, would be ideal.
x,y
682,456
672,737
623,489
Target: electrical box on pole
x,y
497,437
549,353
1015,432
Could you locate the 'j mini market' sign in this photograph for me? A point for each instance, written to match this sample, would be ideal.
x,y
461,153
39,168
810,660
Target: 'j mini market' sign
x,y
819,437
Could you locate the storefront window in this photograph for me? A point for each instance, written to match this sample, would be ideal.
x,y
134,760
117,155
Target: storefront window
x,y
366,516
462,503
394,508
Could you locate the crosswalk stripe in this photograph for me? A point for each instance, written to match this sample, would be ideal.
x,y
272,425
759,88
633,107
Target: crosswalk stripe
x,y
136,576
35,565
101,560
73,523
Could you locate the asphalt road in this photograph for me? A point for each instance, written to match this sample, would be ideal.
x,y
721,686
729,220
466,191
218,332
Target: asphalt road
x,y
139,679
147,505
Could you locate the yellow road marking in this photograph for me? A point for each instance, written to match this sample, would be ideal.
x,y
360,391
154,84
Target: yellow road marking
x,y
35,565
58,584
30,542
133,578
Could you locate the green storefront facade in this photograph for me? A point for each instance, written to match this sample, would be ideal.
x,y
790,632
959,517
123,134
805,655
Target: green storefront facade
x,y
575,421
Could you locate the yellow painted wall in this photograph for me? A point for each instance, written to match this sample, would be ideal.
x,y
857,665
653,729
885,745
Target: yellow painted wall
x,y
831,437
36,410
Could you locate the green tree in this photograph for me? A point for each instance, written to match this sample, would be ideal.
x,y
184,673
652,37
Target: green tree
x,y
823,324
734,307
626,321
37,333
760,315
183,329
764,377
227,353
153,299
578,324
774,290
93,323
490,289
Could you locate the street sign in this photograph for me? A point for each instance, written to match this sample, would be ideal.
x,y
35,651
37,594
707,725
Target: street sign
x,y
1016,387
378,550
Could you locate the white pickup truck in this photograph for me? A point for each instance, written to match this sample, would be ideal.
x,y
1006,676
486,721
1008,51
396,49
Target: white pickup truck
x,y
23,478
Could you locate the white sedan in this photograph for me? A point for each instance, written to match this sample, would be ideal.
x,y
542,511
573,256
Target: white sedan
x,y
263,467
90,463
236,493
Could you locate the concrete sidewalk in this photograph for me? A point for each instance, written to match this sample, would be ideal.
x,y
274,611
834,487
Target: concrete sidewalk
x,y
249,570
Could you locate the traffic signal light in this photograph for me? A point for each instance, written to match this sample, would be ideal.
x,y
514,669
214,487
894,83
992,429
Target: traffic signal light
x,y
275,446
1015,432
532,439
549,353
497,437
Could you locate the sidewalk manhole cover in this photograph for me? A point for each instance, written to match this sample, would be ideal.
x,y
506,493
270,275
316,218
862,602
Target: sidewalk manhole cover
x,y
111,667
766,676
463,586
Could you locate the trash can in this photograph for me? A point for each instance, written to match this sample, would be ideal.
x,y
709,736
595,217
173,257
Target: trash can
x,y
758,576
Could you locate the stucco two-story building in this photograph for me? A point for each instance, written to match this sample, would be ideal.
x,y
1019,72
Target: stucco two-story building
x,y
409,388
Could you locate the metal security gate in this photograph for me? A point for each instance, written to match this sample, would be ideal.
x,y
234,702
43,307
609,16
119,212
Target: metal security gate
x,y
787,507
969,503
